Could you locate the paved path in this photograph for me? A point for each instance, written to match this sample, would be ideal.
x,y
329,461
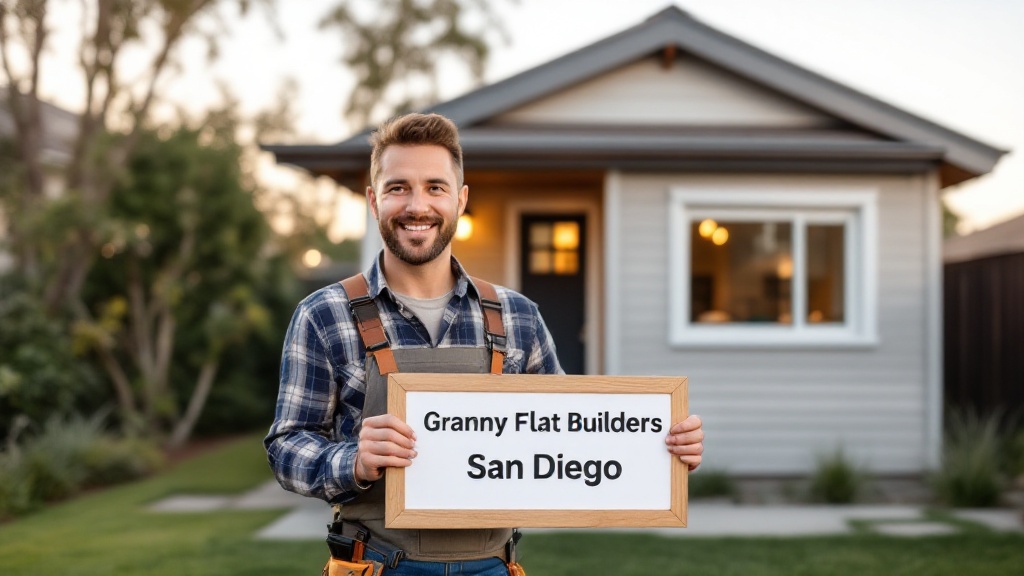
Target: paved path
x,y
306,518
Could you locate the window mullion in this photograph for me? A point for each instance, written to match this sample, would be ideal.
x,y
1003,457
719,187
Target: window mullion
x,y
799,287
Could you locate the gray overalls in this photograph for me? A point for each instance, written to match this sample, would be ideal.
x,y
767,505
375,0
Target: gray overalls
x,y
368,508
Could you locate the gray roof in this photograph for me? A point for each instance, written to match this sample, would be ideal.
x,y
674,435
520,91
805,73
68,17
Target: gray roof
x,y
902,141
1007,237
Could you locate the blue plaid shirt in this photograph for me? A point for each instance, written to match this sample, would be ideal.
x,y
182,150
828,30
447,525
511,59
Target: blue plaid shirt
x,y
312,442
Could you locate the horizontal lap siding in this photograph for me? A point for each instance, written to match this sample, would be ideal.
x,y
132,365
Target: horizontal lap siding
x,y
772,411
690,92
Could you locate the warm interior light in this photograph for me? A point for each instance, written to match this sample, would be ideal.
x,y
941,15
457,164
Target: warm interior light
x,y
312,258
566,236
720,236
707,228
785,268
464,227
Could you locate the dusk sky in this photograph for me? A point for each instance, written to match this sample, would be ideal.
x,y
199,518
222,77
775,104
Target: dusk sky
x,y
954,62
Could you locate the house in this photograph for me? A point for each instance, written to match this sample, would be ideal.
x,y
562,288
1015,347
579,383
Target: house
x,y
983,293
59,130
680,202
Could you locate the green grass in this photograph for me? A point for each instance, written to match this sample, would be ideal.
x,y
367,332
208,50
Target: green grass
x,y
642,555
111,533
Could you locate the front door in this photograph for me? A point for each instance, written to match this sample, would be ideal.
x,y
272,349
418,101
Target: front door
x,y
552,272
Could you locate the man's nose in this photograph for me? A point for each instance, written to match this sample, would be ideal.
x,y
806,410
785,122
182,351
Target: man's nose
x,y
418,202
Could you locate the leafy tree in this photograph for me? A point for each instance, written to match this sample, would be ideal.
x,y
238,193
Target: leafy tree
x,y
122,255
395,48
40,376
56,243
185,277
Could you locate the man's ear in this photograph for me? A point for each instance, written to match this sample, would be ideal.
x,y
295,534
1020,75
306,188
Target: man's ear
x,y
371,200
463,198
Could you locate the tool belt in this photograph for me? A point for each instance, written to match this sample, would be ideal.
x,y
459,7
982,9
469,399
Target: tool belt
x,y
348,542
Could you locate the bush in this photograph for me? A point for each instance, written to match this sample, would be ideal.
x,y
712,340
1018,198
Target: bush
x,y
113,460
15,487
40,375
55,460
67,455
836,480
1015,453
970,474
712,484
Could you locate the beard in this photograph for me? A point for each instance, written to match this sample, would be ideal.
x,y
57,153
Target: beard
x,y
419,252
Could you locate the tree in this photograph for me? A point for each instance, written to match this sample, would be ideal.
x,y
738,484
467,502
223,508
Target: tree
x,y
395,48
88,251
180,280
110,125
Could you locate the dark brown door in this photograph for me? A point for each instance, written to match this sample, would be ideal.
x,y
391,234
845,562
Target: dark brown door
x,y
552,269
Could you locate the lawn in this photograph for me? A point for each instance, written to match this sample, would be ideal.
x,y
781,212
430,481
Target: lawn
x,y
111,532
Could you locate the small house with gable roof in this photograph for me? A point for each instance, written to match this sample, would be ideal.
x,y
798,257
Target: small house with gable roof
x,y
680,202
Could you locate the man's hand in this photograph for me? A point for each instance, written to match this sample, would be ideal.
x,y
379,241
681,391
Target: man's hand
x,y
686,440
383,441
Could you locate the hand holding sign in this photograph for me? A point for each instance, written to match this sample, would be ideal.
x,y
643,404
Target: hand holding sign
x,y
384,441
686,440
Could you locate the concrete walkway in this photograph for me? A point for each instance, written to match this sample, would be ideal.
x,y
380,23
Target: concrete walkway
x,y
305,518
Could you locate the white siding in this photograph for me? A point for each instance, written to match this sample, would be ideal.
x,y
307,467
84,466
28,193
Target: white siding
x,y
772,411
690,93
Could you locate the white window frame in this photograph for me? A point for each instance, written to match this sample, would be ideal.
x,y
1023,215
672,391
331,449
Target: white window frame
x,y
855,208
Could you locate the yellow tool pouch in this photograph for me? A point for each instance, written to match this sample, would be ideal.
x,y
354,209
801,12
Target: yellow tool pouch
x,y
337,567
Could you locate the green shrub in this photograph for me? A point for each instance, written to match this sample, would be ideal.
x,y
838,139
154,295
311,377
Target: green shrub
x,y
55,459
1015,451
836,480
712,484
15,487
970,474
67,455
112,460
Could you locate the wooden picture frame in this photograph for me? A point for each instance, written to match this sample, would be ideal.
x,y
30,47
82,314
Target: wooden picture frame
x,y
398,515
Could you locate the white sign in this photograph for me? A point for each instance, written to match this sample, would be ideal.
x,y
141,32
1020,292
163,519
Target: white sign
x,y
496,446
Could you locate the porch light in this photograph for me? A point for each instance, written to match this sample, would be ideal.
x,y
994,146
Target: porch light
x,y
464,227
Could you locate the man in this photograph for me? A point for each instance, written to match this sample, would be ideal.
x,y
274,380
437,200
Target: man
x,y
331,436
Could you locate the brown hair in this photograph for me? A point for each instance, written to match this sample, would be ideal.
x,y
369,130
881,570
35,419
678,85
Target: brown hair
x,y
416,130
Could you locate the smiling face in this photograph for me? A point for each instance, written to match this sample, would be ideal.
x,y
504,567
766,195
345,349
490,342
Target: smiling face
x,y
417,200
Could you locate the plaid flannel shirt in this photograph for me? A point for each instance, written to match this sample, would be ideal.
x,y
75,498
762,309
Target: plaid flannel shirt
x,y
312,442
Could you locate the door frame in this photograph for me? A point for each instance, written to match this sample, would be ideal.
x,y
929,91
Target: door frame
x,y
514,211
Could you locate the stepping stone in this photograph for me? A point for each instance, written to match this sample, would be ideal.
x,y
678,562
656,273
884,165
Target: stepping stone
x,y
914,529
191,503
1002,520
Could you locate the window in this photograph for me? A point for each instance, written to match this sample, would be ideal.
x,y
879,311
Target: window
x,y
554,248
772,267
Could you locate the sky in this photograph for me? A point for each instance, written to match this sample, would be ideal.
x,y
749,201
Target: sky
x,y
954,62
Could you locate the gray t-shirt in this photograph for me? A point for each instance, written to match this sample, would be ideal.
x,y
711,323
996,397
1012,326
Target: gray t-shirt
x,y
430,311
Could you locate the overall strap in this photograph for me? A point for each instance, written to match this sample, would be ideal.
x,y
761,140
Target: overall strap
x,y
493,326
367,316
